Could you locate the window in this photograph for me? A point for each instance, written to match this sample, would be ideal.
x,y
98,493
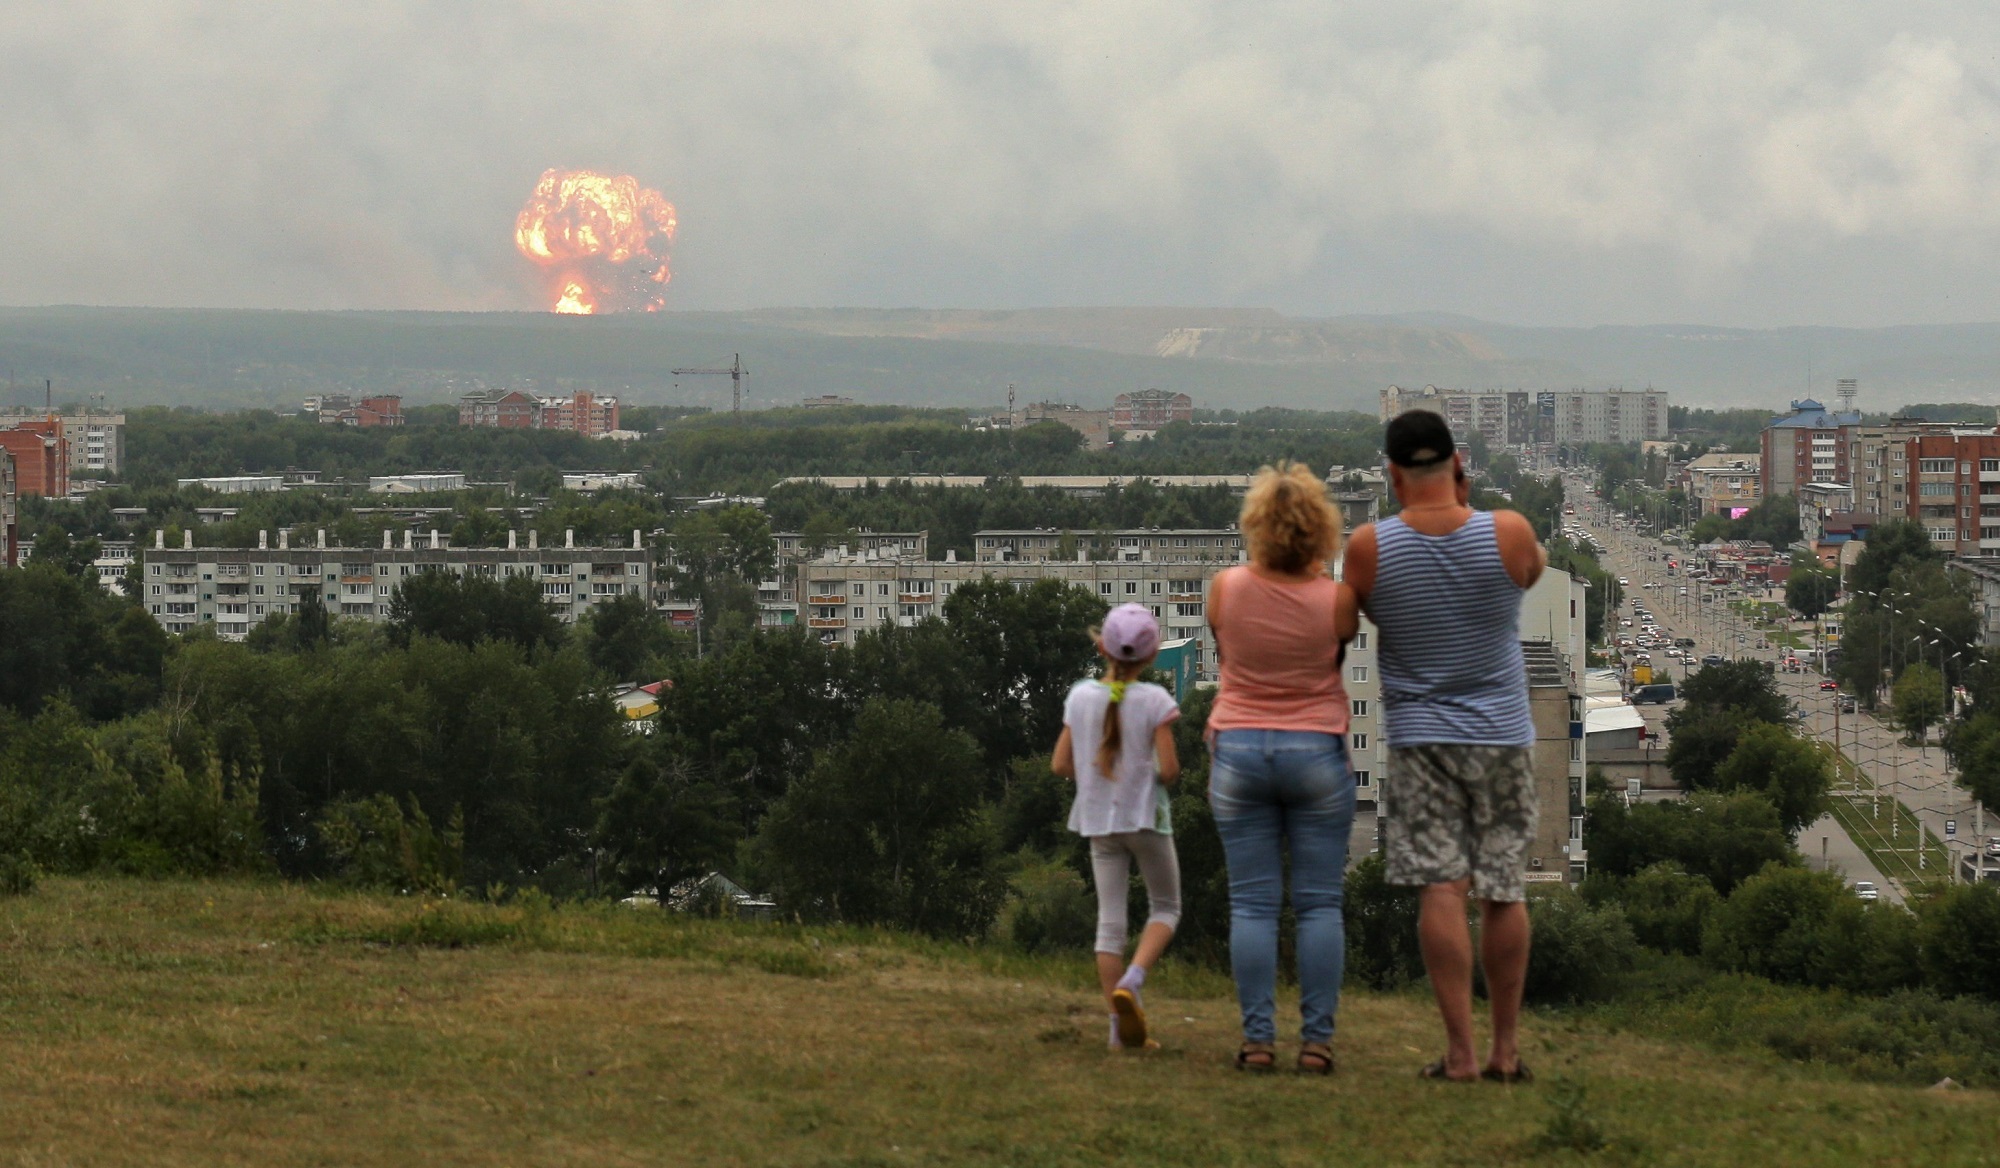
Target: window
x,y
860,590
882,590
1989,466
1360,641
1104,588
1934,489
1155,588
1361,778
1357,742
860,613
1131,588
881,614
1359,673
1358,707
1934,465
1185,610
156,589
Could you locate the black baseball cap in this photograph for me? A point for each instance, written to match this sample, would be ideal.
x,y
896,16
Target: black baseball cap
x,y
1417,439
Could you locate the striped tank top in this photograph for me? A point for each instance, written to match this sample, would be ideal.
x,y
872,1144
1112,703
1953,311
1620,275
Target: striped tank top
x,y
1449,617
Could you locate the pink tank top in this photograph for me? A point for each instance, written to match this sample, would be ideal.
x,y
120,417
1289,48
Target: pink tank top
x,y
1280,657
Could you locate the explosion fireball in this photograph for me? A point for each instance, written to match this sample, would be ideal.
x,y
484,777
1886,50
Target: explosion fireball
x,y
601,238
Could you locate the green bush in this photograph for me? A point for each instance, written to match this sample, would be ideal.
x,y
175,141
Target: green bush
x,y
1960,941
1792,925
1381,921
374,844
1051,910
18,874
1667,907
1579,951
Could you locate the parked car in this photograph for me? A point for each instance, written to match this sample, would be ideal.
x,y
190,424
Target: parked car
x,y
1866,890
1847,703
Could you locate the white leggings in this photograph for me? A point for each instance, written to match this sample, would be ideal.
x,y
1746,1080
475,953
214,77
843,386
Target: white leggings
x,y
1111,859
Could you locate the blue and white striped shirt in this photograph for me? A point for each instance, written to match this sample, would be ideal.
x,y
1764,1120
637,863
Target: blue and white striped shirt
x,y
1450,618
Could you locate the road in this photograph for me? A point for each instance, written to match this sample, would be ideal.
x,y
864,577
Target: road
x,y
1921,778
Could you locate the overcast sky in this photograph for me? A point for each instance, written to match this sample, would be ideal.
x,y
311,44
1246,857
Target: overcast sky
x,y
1560,162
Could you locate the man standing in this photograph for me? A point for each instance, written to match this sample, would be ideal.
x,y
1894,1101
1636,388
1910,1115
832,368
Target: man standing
x,y
1443,584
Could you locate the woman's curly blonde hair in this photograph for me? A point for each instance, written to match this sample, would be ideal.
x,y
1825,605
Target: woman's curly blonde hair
x,y
1287,520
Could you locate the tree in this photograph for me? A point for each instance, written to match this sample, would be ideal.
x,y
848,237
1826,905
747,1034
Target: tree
x,y
1022,648
1667,906
627,638
1959,936
1793,774
665,821
60,632
1890,546
1771,926
1743,687
887,828
468,609
1974,745
1919,700
1723,838
1810,588
54,547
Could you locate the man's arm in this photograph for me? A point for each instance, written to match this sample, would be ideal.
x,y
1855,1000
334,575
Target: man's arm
x,y
1520,551
1357,566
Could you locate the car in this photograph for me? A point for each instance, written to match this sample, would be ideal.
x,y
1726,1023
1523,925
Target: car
x,y
1829,686
1625,623
1713,659
1866,890
1993,845
1623,582
1684,642
1847,703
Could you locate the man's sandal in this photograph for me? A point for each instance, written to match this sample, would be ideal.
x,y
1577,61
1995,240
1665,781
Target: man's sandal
x,y
1520,1074
1435,1071
1258,1058
1315,1058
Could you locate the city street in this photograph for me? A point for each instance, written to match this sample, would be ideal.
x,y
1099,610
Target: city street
x,y
1921,778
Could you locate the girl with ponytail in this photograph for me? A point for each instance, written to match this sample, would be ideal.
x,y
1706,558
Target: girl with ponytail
x,y
1118,744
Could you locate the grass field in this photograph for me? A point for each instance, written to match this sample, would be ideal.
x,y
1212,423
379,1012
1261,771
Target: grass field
x,y
216,1023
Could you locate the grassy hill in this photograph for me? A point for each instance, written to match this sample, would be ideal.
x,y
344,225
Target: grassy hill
x,y
229,1023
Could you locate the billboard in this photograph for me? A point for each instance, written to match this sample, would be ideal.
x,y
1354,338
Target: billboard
x,y
1738,512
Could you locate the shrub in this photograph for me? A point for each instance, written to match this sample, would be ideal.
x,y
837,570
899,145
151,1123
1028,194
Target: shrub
x,y
18,874
1772,925
1960,941
1667,907
1381,921
1578,951
374,844
1051,910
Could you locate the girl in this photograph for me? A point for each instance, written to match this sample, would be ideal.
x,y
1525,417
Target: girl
x,y
1118,744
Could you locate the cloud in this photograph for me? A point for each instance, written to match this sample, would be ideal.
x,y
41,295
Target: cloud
x,y
1532,159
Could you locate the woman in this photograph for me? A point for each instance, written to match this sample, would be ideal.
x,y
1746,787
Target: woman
x,y
1279,776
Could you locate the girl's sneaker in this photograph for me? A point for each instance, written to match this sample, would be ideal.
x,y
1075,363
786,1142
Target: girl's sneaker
x,y
1128,1018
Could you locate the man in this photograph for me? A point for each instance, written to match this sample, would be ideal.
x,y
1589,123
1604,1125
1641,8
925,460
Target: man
x,y
1443,584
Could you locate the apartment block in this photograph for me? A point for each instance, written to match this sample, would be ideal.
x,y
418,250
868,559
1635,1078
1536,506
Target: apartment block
x,y
1613,416
1955,491
1150,409
96,441
1049,545
1805,446
1722,484
10,521
234,589
1499,418
342,409
593,415
41,456
845,596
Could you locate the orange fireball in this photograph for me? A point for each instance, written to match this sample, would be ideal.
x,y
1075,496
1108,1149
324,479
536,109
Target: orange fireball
x,y
601,238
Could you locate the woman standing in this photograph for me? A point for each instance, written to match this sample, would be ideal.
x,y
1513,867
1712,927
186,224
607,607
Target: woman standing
x,y
1280,778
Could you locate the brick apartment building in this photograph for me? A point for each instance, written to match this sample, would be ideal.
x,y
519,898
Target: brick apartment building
x,y
589,414
340,409
10,524
1150,409
41,457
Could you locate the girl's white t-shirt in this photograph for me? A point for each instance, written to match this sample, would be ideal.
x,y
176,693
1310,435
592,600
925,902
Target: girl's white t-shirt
x,y
1133,799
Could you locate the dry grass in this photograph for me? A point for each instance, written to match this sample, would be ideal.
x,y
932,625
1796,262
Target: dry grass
x,y
200,1023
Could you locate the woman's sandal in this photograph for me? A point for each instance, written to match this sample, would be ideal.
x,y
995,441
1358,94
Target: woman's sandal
x,y
1315,1058
1259,1058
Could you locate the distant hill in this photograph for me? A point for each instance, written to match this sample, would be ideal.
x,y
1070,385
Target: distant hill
x,y
1225,358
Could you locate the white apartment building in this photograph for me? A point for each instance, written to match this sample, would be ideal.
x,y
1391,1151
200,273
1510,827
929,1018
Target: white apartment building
x,y
1052,545
1500,417
234,589
96,441
1618,416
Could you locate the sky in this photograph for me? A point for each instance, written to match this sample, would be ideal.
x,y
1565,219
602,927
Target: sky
x,y
1570,162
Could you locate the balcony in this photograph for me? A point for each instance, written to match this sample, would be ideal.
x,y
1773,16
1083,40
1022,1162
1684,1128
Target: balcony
x,y
826,622
1186,598
830,598
916,597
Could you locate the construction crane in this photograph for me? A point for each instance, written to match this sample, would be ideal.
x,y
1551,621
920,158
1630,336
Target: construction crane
x,y
735,372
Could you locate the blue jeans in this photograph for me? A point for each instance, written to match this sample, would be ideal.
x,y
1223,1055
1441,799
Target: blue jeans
x,y
1270,788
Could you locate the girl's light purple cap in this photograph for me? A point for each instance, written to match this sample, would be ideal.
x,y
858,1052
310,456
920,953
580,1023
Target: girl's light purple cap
x,y
1131,633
